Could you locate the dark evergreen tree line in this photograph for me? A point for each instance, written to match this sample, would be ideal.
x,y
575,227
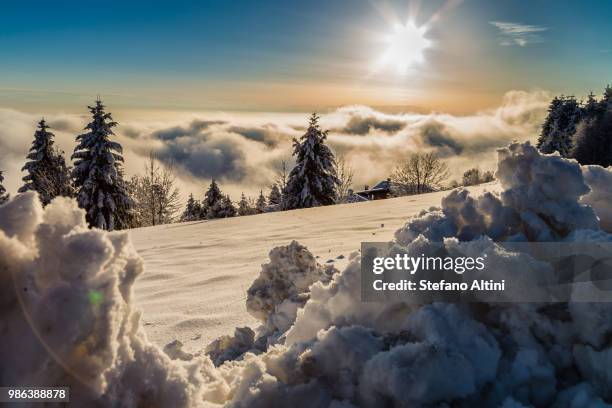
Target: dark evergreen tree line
x,y
580,130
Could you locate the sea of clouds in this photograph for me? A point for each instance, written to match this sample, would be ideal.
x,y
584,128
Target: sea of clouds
x,y
68,318
244,151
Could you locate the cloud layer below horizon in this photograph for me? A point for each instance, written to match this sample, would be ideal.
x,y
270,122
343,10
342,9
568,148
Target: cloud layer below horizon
x,y
244,151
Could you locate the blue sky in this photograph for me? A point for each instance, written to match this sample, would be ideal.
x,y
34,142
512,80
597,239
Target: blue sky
x,y
277,55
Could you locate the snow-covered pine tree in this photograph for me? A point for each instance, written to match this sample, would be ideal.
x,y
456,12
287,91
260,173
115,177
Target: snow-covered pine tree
x,y
261,203
564,114
244,208
47,173
312,182
274,198
98,178
591,108
212,198
224,208
593,140
606,101
192,210
4,197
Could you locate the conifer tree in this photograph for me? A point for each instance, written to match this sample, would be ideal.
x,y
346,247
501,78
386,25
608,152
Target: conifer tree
x,y
606,101
274,198
244,208
224,208
230,210
312,182
261,203
591,107
212,198
47,173
564,114
98,178
593,141
192,210
4,197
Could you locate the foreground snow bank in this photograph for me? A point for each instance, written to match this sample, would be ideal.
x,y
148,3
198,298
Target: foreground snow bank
x,y
67,319
342,352
66,302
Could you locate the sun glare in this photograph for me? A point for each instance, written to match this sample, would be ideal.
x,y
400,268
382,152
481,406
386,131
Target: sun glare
x,y
405,47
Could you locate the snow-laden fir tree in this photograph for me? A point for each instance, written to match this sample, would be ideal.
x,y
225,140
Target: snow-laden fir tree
x,y
564,114
593,140
274,198
47,173
244,208
4,197
312,182
261,204
224,208
98,178
592,107
192,210
606,101
211,202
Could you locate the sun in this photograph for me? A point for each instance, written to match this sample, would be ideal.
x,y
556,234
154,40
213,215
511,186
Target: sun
x,y
405,47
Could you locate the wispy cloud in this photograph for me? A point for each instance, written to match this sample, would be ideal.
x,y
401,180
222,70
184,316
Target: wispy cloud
x,y
519,34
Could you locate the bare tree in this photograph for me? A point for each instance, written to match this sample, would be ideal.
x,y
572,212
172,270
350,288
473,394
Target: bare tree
x,y
345,174
420,173
282,175
471,177
155,194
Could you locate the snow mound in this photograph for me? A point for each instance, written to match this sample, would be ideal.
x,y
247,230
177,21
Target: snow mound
x,y
539,202
67,319
599,180
341,351
283,286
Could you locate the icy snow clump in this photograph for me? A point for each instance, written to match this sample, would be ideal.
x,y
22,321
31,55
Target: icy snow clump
x,y
67,317
342,352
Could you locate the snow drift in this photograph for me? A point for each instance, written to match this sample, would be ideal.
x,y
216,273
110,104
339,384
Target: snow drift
x,y
340,351
67,319
66,300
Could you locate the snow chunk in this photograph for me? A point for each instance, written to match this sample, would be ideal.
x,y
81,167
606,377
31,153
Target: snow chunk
x,y
174,350
539,202
67,317
599,180
341,351
231,347
283,286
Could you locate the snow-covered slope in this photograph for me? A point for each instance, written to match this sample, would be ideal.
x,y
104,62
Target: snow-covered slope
x,y
197,273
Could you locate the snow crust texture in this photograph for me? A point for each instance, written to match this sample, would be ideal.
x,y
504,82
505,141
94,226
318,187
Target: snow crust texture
x,y
66,299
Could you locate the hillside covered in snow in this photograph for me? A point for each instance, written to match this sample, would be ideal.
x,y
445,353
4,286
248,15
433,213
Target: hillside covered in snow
x,y
197,273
